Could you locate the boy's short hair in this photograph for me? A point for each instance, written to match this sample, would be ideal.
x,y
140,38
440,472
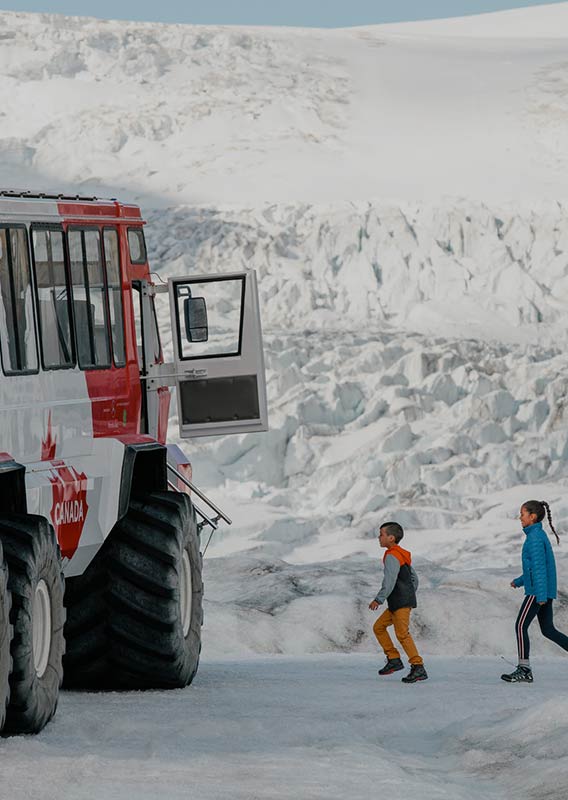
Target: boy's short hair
x,y
393,529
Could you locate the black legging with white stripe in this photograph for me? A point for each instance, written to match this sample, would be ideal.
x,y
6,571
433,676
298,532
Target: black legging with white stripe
x,y
529,610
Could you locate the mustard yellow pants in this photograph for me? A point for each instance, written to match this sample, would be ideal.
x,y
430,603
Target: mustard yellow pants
x,y
400,619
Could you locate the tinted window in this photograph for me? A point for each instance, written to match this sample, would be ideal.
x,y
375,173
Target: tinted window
x,y
53,299
112,261
87,277
19,349
136,246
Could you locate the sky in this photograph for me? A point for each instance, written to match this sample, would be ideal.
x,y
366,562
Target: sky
x,y
302,13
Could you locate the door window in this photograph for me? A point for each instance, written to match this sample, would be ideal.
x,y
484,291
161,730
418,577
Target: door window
x,y
87,277
138,324
225,304
112,262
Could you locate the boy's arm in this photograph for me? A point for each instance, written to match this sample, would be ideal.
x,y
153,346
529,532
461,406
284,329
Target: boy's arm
x,y
392,568
414,578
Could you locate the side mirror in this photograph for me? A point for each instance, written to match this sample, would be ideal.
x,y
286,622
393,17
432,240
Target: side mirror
x,y
195,315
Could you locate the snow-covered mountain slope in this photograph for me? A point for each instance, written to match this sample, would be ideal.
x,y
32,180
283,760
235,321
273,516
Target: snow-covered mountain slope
x,y
542,22
416,371
375,377
492,272
174,113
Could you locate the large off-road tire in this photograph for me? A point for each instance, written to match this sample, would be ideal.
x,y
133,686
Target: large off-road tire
x,y
36,583
155,594
5,639
86,662
134,618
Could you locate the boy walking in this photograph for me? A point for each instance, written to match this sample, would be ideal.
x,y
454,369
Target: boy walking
x,y
399,586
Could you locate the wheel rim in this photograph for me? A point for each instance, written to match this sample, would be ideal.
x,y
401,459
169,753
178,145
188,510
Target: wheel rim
x,y
41,628
185,593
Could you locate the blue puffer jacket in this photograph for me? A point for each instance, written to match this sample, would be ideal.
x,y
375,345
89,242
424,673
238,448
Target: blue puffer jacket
x,y
539,567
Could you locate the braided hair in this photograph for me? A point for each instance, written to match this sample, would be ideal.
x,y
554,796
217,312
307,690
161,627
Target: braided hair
x,y
540,508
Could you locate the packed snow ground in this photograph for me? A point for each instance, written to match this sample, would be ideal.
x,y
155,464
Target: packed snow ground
x,y
320,727
401,192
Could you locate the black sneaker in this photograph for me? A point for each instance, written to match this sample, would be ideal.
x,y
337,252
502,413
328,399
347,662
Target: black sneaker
x,y
392,665
519,675
417,673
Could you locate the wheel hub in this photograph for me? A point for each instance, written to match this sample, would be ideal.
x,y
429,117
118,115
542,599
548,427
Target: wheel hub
x,y
41,627
185,593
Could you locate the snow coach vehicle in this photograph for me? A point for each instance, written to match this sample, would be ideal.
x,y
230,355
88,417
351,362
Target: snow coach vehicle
x,y
100,563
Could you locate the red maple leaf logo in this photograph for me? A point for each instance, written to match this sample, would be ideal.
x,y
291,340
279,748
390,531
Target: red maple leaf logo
x,y
69,496
69,508
49,444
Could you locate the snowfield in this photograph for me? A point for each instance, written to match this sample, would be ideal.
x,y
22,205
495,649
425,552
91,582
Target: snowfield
x,y
175,114
401,192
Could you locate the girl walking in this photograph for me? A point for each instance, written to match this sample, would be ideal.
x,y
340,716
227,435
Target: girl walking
x,y
539,581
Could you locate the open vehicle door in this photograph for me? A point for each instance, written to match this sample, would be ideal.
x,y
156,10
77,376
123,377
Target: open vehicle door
x,y
218,356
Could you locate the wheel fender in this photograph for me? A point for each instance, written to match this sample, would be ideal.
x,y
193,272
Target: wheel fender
x,y
144,470
13,499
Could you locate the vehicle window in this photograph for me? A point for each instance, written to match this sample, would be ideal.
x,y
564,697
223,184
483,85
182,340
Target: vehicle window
x,y
224,298
87,277
19,347
112,261
53,299
137,245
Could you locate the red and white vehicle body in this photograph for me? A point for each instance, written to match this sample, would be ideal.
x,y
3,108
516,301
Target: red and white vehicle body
x,y
84,395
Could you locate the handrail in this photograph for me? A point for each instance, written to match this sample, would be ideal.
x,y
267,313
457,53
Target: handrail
x,y
202,514
199,493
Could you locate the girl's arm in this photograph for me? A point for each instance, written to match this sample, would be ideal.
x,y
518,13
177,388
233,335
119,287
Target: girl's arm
x,y
537,559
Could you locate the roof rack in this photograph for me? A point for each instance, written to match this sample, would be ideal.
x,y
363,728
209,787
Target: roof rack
x,y
40,195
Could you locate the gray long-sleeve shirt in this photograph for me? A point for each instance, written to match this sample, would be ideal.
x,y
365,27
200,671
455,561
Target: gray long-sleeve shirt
x,y
392,568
